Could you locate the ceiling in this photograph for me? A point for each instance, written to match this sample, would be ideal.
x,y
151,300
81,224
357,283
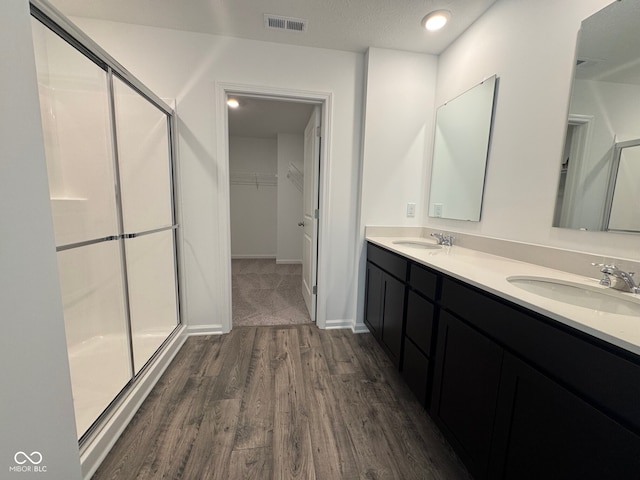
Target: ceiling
x,y
609,44
349,25
262,118
352,25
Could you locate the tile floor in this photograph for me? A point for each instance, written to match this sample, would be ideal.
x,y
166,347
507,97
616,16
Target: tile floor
x,y
265,293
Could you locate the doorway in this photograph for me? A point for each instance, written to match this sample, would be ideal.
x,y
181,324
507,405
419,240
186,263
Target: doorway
x,y
274,166
568,212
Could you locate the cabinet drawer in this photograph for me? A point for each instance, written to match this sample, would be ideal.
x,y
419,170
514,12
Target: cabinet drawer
x,y
420,322
423,280
392,263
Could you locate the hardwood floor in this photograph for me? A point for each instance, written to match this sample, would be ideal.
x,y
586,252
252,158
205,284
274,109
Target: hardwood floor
x,y
281,402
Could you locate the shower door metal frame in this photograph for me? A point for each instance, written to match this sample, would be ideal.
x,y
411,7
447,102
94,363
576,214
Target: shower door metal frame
x,y
54,20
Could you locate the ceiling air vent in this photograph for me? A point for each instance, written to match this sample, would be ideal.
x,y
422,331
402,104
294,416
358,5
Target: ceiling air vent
x,y
285,23
587,62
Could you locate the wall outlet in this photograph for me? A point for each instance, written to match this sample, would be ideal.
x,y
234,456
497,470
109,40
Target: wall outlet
x,y
411,209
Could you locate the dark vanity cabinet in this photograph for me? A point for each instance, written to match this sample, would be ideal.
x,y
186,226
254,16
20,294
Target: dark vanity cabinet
x,y
385,299
544,430
518,395
400,313
522,397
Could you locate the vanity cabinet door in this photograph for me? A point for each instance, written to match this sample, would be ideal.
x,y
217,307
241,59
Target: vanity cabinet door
x,y
415,370
384,310
543,430
392,316
373,300
465,390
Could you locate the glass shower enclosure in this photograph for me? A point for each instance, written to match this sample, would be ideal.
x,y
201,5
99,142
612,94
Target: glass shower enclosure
x,y
109,158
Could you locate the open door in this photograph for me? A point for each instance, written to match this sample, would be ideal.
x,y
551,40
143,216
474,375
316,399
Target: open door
x,y
310,211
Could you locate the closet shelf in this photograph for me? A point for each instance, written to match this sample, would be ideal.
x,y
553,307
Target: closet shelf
x,y
257,179
296,177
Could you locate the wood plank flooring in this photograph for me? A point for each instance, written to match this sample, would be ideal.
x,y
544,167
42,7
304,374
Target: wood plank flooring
x,y
281,402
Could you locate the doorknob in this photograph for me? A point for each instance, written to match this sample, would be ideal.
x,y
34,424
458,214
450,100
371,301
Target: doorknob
x,y
301,224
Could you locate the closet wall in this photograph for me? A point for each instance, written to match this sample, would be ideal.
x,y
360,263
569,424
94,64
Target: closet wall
x,y
253,190
265,205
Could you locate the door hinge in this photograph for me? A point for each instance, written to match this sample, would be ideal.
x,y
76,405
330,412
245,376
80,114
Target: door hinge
x,y
316,214
314,290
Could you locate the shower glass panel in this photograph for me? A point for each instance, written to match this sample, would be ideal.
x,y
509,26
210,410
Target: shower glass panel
x,y
76,124
142,132
94,315
152,297
145,164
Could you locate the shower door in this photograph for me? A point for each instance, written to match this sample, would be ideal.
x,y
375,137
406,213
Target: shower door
x,y
144,154
108,153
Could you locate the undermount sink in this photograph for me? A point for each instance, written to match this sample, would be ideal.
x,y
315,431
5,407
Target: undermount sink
x,y
417,244
586,296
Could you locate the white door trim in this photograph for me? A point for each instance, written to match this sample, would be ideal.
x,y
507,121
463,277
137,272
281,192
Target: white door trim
x,y
576,170
324,99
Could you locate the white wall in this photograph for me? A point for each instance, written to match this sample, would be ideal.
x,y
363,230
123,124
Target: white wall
x,y
289,236
530,45
398,133
253,208
186,66
37,410
397,137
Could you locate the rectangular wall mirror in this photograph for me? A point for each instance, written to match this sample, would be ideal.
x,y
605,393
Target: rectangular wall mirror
x,y
600,169
460,151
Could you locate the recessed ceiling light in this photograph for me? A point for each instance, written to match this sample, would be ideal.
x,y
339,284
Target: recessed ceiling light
x,y
436,20
233,103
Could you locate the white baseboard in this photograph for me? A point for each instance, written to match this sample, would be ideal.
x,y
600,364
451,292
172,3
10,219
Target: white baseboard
x,y
212,329
333,324
360,328
96,448
250,256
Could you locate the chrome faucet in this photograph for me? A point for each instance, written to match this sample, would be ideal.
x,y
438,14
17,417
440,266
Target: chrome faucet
x,y
617,279
443,239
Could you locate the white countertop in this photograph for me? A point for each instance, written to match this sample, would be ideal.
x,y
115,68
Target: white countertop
x,y
490,273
